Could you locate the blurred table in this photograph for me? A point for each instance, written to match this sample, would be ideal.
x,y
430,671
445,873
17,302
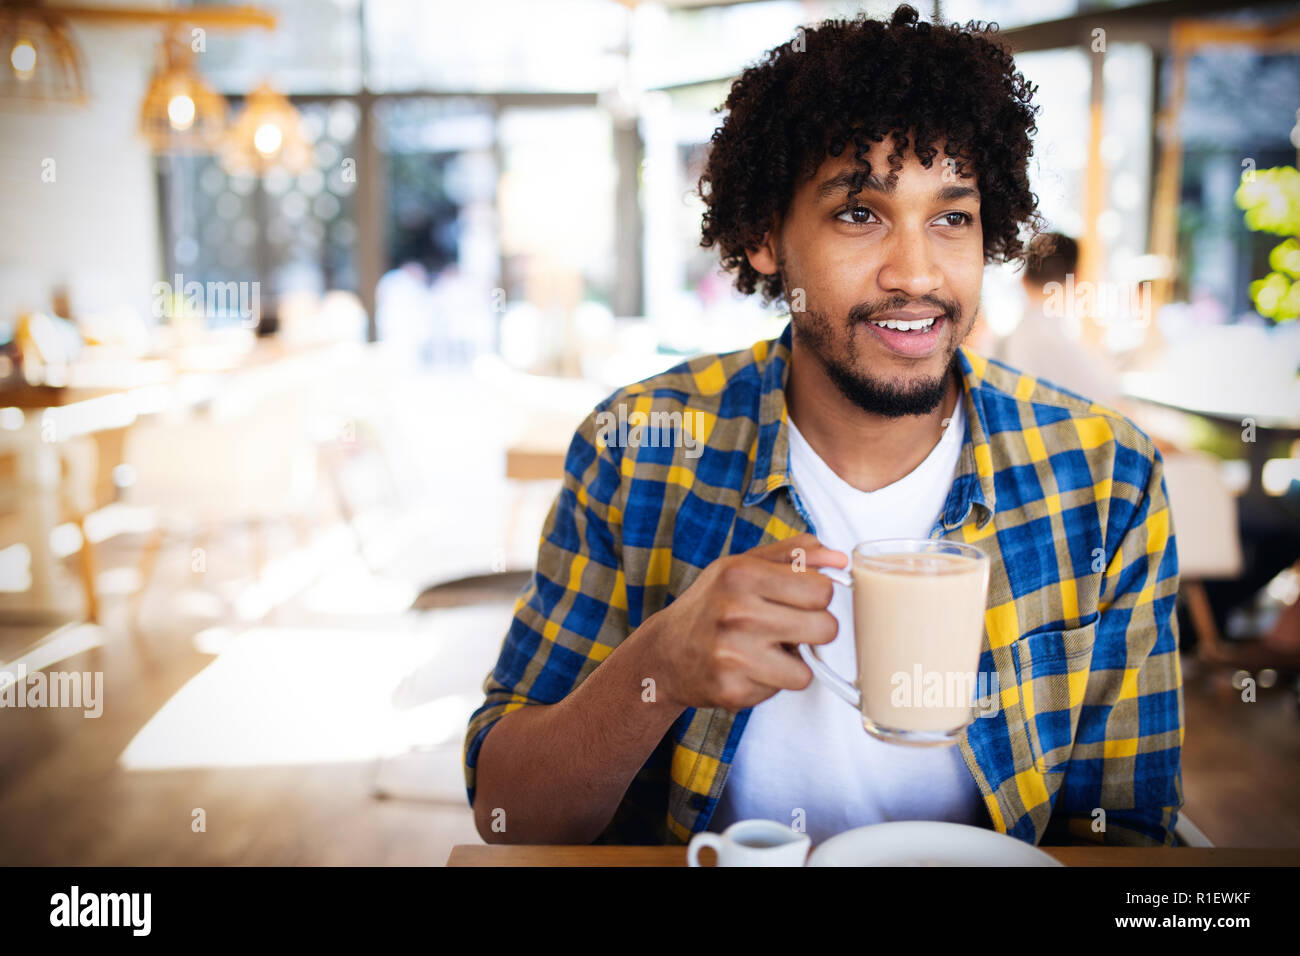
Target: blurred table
x,y
112,393
545,412
540,451
1275,418
496,855
34,397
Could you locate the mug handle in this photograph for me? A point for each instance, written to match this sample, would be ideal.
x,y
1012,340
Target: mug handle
x,y
842,689
699,841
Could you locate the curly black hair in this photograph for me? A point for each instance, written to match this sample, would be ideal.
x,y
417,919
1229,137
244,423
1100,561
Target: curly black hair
x,y
860,80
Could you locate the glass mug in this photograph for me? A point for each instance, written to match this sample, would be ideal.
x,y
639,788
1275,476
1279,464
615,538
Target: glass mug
x,y
918,621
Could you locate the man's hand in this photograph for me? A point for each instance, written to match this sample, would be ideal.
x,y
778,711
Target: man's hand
x,y
723,642
562,769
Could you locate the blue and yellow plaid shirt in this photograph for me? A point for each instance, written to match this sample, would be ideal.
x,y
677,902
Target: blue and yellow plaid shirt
x,y
1066,496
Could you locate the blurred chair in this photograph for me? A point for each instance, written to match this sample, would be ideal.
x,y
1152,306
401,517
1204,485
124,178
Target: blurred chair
x,y
1209,545
201,472
547,411
308,321
369,436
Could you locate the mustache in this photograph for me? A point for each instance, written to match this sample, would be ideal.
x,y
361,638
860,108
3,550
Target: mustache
x,y
866,311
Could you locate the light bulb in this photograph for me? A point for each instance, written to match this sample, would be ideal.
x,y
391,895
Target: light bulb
x,y
23,58
267,139
180,111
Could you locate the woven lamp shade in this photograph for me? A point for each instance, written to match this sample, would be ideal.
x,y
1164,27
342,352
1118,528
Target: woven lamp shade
x,y
267,134
41,62
181,113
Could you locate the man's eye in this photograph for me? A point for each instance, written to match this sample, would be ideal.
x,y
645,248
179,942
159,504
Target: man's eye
x,y
858,216
853,218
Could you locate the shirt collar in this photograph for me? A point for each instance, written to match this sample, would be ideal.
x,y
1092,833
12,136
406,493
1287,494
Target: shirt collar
x,y
972,486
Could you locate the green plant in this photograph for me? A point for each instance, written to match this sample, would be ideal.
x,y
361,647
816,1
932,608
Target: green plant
x,y
1271,199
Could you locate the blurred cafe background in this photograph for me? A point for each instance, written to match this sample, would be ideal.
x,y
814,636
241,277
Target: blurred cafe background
x,y
301,302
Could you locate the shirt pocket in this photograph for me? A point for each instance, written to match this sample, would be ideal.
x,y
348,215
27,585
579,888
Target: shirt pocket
x,y
1052,668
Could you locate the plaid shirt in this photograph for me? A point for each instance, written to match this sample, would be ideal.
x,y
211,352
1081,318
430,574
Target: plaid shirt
x,y
1067,497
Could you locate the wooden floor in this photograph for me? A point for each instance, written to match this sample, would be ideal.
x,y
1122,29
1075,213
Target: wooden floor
x,y
1241,760
69,796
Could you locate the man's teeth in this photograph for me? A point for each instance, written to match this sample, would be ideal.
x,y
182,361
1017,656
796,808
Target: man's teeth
x,y
905,326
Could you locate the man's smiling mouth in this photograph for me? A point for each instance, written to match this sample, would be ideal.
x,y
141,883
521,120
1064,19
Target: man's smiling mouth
x,y
903,325
909,338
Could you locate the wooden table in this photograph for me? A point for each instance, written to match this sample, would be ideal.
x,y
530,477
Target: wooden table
x,y
496,855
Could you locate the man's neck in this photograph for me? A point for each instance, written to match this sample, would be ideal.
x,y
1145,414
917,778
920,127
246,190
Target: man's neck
x,y
867,451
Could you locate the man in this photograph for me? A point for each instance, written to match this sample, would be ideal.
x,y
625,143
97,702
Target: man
x,y
1041,344
649,687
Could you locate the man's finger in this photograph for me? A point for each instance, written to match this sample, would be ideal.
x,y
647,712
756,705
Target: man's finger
x,y
780,584
782,624
778,668
802,548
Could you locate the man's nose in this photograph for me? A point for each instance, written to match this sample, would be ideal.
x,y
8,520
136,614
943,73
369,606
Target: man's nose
x,y
909,265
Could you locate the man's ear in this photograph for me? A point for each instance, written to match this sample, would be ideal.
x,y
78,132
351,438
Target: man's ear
x,y
764,258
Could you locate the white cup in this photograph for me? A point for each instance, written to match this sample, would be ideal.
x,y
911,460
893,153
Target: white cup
x,y
752,843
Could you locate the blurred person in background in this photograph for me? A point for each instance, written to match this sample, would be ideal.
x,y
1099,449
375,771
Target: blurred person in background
x,y
403,309
462,317
420,304
1042,344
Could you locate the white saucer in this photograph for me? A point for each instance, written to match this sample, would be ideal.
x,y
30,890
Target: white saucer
x,y
926,843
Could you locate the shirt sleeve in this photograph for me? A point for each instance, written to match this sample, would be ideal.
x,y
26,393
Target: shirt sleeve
x,y
1126,758
573,611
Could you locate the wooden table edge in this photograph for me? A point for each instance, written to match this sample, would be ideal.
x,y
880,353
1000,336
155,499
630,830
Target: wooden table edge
x,y
481,855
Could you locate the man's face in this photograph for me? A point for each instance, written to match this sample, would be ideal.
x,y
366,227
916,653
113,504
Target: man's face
x,y
909,252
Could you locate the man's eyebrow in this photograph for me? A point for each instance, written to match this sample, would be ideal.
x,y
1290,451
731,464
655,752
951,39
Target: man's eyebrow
x,y
952,193
849,178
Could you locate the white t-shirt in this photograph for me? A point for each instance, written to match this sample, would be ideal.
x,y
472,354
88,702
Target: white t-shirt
x,y
806,750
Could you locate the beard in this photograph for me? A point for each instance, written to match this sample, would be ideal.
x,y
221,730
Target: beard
x,y
877,396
